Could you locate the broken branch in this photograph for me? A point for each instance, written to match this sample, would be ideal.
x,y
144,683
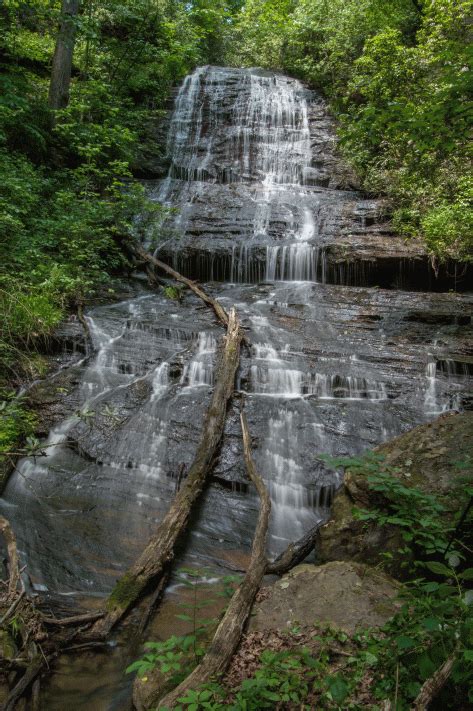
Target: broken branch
x,y
13,568
220,312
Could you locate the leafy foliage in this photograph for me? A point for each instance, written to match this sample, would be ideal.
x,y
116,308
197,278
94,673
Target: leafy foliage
x,y
68,201
178,655
16,423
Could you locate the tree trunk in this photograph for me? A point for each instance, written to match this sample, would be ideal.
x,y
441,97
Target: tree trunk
x,y
294,554
13,566
160,549
227,637
62,60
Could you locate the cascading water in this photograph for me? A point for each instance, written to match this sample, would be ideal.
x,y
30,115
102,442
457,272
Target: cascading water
x,y
331,370
261,141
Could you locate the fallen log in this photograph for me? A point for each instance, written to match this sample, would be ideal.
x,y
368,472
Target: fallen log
x,y
160,549
220,312
228,633
154,601
71,621
294,554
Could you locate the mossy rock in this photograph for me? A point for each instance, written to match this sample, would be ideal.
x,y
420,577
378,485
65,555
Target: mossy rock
x,y
432,457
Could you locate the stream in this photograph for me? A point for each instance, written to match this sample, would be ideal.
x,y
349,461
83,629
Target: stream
x,y
345,354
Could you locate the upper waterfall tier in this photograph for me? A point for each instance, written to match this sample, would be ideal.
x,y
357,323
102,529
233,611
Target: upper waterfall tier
x,y
240,125
260,193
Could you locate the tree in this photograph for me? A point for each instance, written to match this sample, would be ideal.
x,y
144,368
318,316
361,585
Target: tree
x,y
62,60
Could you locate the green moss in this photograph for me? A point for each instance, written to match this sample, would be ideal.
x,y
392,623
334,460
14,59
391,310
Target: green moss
x,y
7,646
16,422
124,593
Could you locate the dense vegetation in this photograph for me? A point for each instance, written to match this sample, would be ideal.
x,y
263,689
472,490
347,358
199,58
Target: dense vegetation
x,y
66,198
67,195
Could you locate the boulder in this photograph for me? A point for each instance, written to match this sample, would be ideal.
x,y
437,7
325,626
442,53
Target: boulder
x,y
349,596
427,457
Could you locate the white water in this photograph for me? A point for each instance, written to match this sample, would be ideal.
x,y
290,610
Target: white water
x,y
200,371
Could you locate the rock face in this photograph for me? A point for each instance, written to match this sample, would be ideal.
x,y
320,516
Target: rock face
x,y
426,457
349,596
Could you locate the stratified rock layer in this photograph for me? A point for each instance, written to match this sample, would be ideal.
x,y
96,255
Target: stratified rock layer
x,y
262,193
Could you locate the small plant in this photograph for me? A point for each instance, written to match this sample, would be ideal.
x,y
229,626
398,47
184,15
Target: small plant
x,y
178,655
16,424
173,292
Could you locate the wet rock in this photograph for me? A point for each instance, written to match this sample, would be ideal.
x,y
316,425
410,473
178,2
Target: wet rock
x,y
432,457
347,595
54,399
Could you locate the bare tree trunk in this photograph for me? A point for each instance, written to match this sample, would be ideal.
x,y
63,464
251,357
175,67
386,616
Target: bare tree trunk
x,y
160,549
227,637
62,60
13,567
294,554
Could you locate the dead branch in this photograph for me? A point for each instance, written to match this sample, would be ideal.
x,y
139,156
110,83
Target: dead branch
x,y
12,607
13,568
220,312
75,620
294,554
29,677
35,695
434,685
160,549
154,601
229,631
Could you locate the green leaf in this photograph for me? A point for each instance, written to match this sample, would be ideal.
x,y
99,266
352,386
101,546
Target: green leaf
x,y
468,597
405,642
453,560
439,569
431,624
467,574
338,689
426,666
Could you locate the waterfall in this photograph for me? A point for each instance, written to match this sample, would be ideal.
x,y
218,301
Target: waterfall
x,y
200,371
255,138
330,369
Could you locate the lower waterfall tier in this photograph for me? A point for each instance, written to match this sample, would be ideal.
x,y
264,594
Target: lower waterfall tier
x,y
330,370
